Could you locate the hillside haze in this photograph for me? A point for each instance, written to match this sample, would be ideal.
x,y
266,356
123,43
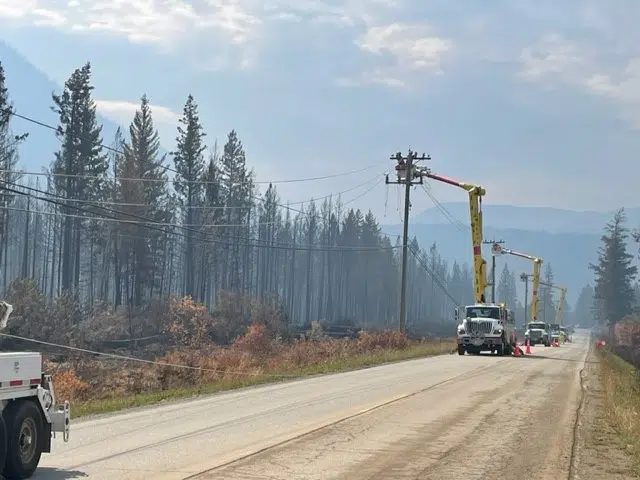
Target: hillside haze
x,y
565,239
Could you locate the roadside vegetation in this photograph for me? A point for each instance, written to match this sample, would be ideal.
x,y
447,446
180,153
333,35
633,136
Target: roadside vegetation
x,y
260,354
621,387
614,308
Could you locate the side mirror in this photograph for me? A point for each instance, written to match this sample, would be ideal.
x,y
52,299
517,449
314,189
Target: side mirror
x,y
456,314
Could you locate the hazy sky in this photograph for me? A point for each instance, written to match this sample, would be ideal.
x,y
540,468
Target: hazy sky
x,y
537,100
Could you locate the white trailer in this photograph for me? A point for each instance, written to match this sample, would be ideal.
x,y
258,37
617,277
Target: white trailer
x,y
30,416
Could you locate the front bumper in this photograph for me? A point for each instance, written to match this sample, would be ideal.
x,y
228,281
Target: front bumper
x,y
488,342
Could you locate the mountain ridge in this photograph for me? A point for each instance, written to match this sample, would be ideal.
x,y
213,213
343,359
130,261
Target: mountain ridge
x,y
549,219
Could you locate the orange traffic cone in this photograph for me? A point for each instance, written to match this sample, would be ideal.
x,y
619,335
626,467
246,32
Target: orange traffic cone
x,y
516,351
527,350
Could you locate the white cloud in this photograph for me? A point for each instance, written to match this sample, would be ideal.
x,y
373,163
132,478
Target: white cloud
x,y
123,111
555,60
236,29
551,55
408,48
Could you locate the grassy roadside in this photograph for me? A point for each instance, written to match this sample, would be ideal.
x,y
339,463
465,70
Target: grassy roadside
x,y
622,400
343,364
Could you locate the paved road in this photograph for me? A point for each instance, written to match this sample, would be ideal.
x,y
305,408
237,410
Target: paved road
x,y
443,417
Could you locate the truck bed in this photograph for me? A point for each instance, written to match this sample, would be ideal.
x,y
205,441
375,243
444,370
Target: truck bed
x,y
19,371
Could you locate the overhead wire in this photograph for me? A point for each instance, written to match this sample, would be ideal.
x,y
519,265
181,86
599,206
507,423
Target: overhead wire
x,y
447,214
433,275
142,360
12,112
180,227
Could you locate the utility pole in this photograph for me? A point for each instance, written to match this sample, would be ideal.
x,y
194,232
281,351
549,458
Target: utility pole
x,y
406,174
525,278
494,251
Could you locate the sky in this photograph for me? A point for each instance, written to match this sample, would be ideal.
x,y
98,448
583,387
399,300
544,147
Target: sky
x,y
538,101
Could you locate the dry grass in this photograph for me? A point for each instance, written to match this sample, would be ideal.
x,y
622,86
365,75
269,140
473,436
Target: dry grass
x,y
621,384
100,386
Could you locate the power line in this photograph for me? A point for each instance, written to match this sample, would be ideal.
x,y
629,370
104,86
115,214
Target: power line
x,y
287,207
218,207
138,222
206,240
447,214
185,182
435,278
142,360
12,112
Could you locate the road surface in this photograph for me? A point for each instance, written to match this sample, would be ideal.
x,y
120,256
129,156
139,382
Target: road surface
x,y
469,417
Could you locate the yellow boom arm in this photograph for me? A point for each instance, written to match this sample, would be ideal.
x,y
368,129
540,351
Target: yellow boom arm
x,y
563,295
476,192
497,249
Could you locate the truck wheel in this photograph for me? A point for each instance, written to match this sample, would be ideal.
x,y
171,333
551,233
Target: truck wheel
x,y
500,350
460,350
24,440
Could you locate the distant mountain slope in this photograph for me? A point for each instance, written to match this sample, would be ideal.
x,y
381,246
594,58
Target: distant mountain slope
x,y
30,90
568,253
552,220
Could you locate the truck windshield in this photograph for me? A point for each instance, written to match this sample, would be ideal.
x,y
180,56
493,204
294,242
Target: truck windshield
x,y
537,326
480,312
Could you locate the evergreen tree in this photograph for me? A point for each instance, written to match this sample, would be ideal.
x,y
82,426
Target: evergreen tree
x,y
237,184
190,165
9,144
80,164
614,272
583,311
506,290
142,248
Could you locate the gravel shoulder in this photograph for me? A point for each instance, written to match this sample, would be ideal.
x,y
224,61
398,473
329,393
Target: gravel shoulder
x,y
599,452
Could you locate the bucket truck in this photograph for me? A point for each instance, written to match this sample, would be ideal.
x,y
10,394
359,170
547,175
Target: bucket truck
x,y
536,331
30,416
485,326
558,330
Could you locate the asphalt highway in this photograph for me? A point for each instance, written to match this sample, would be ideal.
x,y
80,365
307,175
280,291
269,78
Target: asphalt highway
x,y
469,417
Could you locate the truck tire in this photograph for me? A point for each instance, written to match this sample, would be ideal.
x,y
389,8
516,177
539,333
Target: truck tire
x,y
500,350
24,439
460,350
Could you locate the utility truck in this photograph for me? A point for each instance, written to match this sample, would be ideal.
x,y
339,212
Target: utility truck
x,y
486,327
538,332
30,416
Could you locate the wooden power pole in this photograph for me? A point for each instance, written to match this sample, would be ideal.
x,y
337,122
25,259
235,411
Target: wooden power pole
x,y
407,175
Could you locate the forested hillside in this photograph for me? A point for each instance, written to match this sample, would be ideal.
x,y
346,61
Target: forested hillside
x,y
114,225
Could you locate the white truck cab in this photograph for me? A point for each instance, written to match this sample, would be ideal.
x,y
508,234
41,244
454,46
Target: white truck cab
x,y
538,332
30,416
486,327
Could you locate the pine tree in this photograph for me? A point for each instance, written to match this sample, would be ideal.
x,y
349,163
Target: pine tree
x,y
142,248
80,164
9,143
506,289
237,184
190,165
614,272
